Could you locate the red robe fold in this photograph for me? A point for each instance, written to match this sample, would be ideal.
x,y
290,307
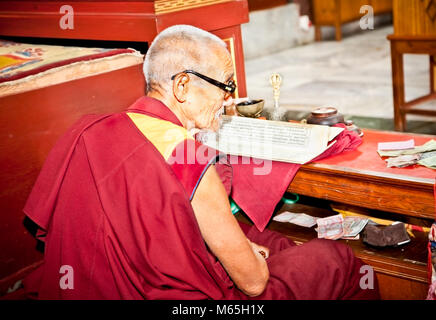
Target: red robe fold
x,y
118,214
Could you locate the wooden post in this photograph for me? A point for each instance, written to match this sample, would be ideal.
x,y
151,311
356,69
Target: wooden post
x,y
338,31
318,33
398,87
338,24
432,74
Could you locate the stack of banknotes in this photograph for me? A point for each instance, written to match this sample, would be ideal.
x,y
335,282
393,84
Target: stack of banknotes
x,y
424,155
333,228
338,227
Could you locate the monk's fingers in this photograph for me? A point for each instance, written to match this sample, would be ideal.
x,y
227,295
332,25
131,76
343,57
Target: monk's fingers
x,y
264,252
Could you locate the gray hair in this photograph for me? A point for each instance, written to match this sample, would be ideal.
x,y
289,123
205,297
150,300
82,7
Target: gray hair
x,y
178,48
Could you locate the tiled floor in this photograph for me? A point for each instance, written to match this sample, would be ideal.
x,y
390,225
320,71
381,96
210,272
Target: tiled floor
x,y
353,75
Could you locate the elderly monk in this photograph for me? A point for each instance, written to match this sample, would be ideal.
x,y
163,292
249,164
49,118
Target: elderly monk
x,y
131,206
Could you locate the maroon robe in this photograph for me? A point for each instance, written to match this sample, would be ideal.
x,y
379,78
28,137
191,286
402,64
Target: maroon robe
x,y
113,210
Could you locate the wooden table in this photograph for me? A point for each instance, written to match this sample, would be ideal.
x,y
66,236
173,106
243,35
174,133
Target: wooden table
x,y
360,178
401,272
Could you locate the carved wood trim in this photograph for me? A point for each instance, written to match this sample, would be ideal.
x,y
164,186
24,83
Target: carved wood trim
x,y
408,196
167,6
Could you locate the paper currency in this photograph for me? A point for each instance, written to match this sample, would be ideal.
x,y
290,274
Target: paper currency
x,y
338,227
300,219
429,146
331,227
400,145
427,159
429,162
403,161
353,226
426,155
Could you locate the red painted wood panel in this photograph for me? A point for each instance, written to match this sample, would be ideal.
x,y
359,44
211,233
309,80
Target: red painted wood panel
x,y
115,21
30,124
211,18
235,33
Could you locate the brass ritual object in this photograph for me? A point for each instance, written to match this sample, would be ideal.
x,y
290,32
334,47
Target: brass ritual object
x,y
276,81
329,116
250,108
326,116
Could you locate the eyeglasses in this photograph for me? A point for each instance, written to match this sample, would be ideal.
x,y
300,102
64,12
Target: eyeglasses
x,y
230,87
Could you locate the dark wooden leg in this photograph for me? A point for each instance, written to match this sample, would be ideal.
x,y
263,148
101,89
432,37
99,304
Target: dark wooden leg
x,y
398,87
318,34
338,32
432,74
338,25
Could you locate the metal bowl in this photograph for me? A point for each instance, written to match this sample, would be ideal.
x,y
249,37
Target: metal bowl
x,y
326,116
250,108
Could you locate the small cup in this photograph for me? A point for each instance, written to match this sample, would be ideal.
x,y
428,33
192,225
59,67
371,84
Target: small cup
x,y
326,116
250,108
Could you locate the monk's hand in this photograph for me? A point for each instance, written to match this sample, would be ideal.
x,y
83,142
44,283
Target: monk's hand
x,y
259,250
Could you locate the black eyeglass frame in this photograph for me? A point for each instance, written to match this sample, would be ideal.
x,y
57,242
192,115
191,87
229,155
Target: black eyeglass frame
x,y
229,88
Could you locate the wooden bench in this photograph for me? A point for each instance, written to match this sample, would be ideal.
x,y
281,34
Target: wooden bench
x,y
414,33
337,12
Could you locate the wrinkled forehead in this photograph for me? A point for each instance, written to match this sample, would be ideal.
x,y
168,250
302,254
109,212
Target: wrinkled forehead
x,y
222,64
200,54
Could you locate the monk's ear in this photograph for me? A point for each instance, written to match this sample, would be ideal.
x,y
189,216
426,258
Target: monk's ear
x,y
181,87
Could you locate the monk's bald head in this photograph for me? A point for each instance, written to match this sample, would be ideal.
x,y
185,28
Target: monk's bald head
x,y
180,48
